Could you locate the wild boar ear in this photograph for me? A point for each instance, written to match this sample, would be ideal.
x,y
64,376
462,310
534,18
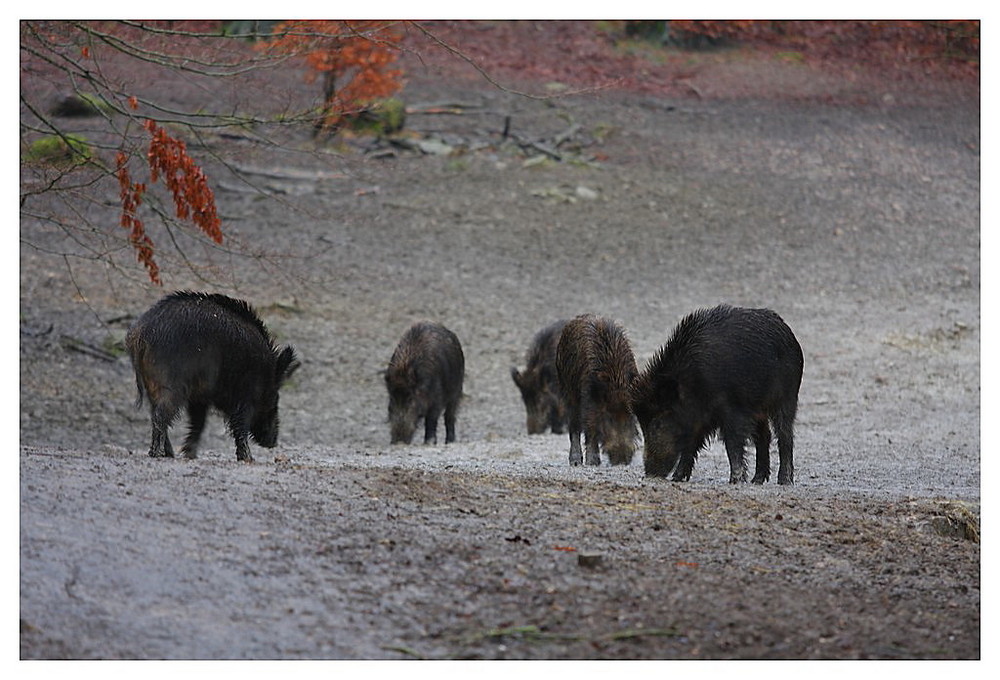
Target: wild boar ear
x,y
286,365
516,375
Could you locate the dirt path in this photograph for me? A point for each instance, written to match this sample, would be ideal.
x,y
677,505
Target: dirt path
x,y
858,224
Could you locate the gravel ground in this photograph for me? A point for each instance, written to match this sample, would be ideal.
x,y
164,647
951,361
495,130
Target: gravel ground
x,y
859,224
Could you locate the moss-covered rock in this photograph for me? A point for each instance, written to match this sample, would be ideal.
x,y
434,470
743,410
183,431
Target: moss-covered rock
x,y
381,119
56,149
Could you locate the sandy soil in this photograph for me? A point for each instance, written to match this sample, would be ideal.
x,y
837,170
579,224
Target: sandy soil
x,y
858,222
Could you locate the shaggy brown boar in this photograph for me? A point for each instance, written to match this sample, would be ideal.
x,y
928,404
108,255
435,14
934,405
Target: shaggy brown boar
x,y
539,382
424,379
596,367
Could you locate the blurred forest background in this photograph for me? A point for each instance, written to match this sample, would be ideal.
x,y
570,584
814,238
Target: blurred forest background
x,y
98,125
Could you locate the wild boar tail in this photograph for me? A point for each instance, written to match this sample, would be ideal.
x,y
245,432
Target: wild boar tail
x,y
140,392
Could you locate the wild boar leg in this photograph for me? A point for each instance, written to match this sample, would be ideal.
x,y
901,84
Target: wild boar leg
x,y
197,414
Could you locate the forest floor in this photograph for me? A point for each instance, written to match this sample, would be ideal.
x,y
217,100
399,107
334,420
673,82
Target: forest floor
x,y
847,203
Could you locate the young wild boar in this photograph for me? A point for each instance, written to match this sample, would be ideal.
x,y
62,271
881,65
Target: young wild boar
x,y
596,366
202,350
424,378
728,370
539,383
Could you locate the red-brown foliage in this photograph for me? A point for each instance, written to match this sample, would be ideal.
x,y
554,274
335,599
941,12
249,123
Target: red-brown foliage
x,y
193,197
598,54
358,63
361,51
131,194
884,42
185,180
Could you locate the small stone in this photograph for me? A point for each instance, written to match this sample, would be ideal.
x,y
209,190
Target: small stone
x,y
434,147
589,560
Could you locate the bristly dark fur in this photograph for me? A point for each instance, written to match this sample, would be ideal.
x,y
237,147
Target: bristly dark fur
x,y
424,378
726,371
538,383
678,351
541,355
240,308
199,351
596,367
610,352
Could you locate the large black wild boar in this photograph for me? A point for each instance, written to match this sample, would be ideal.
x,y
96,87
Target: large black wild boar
x,y
725,370
424,379
203,350
539,382
596,366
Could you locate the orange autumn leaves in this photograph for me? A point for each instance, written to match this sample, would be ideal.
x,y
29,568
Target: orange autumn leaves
x,y
131,194
193,197
356,55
